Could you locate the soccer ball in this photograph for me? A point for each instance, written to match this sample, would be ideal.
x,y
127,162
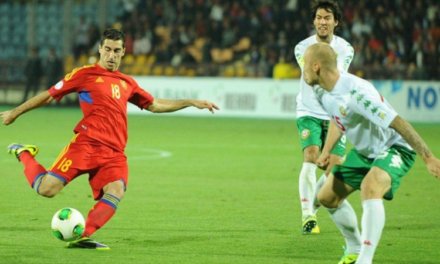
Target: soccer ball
x,y
68,224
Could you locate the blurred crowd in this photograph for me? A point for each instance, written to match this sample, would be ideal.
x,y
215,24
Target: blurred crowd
x,y
393,39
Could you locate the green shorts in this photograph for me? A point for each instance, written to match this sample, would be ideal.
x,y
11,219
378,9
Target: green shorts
x,y
396,161
313,131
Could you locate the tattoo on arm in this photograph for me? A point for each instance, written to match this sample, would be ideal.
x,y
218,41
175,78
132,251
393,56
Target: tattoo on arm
x,y
411,136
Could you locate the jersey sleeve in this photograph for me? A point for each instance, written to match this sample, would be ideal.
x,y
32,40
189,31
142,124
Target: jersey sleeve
x,y
345,57
299,54
140,97
373,106
69,84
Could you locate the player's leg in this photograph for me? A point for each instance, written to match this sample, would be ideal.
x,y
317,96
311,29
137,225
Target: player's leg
x,y
333,196
35,173
307,190
346,178
337,157
100,214
26,155
108,184
381,181
334,192
105,208
310,131
373,188
108,173
49,185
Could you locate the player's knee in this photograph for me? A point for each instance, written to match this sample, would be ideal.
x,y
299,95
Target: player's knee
x,y
119,193
328,201
49,189
47,192
374,187
116,189
372,191
311,154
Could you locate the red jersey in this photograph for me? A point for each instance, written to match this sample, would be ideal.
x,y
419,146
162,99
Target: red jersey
x,y
103,97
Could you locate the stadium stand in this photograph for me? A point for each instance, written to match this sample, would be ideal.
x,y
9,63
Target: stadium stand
x,y
393,39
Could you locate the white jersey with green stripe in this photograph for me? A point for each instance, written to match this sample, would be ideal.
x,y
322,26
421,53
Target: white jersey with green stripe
x,y
362,114
306,103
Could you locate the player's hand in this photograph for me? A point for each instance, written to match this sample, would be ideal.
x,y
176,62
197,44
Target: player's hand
x,y
202,104
323,161
433,165
7,117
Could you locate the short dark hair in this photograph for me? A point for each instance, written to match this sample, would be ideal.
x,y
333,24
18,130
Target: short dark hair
x,y
330,6
113,34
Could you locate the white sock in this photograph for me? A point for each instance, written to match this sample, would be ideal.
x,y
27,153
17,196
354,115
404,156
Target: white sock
x,y
319,184
307,186
373,221
345,219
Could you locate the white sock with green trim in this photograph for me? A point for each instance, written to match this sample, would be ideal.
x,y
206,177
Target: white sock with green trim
x,y
307,186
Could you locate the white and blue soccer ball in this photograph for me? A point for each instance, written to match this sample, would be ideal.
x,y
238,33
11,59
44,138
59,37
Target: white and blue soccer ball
x,y
68,224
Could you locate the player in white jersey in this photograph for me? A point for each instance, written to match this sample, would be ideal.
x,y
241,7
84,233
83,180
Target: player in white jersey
x,y
312,120
385,146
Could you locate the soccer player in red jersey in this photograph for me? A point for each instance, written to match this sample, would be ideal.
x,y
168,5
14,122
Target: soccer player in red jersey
x,y
97,147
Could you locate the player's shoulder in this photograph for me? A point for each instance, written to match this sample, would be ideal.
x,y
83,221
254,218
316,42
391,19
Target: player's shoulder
x,y
80,71
347,77
303,44
342,44
301,47
356,79
353,82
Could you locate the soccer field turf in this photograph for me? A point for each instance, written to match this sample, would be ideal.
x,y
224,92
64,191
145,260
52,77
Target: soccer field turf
x,y
202,190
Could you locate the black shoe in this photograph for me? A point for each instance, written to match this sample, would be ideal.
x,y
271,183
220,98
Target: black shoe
x,y
86,242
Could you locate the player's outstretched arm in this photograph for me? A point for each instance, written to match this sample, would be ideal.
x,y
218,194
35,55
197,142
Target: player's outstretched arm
x,y
411,136
43,98
167,105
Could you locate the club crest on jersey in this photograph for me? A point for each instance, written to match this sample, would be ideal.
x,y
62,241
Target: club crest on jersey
x,y
124,84
382,115
343,110
305,133
59,85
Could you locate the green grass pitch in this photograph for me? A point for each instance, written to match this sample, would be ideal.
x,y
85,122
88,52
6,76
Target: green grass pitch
x,y
202,190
